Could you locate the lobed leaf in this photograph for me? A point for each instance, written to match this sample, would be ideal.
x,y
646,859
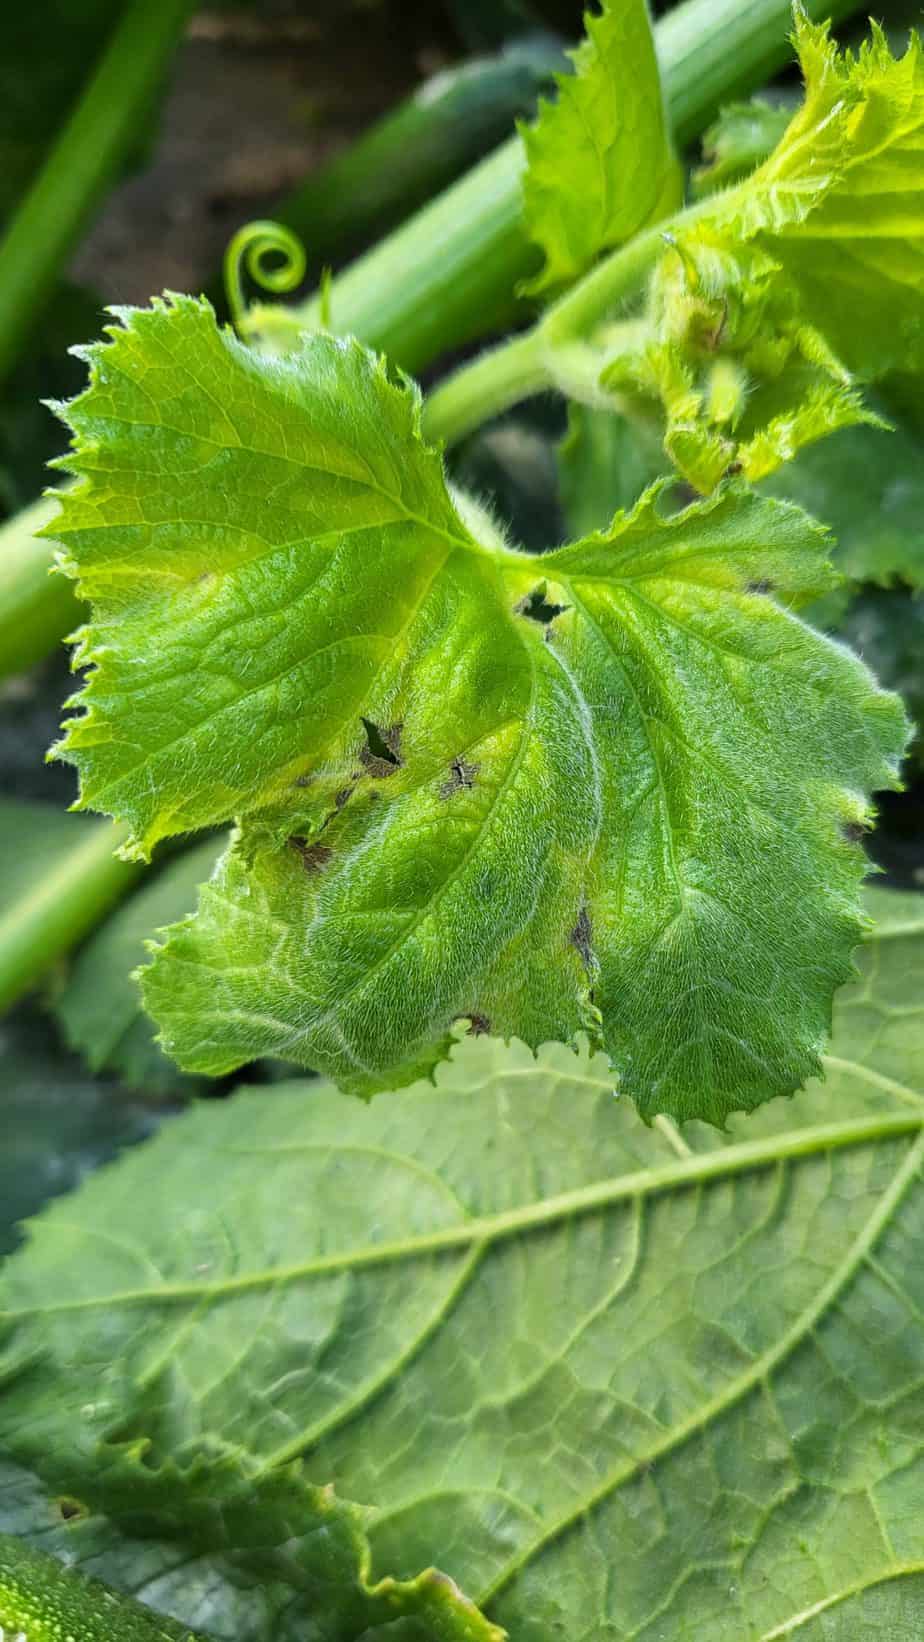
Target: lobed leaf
x,y
618,1380
600,163
595,801
777,296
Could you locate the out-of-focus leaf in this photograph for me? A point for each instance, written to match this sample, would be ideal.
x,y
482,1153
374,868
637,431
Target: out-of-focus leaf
x,y
605,462
867,484
57,1123
743,136
886,626
100,1008
58,876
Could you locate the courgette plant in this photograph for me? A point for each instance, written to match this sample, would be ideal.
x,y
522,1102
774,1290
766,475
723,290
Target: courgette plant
x,y
597,811
619,793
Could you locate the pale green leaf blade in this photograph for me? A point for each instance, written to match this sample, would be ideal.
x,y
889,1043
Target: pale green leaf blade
x,y
856,258
840,202
717,939
427,836
100,1007
617,1380
226,508
599,160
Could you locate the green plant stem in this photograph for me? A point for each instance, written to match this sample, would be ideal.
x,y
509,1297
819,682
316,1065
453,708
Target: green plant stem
x,y
67,902
82,162
37,608
525,365
450,274
419,148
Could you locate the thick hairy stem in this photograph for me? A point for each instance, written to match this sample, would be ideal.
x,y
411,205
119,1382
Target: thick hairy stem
x,y
525,365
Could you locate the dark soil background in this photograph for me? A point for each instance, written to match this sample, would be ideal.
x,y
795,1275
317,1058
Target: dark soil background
x,y
257,101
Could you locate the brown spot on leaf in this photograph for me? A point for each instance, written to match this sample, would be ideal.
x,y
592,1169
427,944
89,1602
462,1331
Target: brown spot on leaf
x,y
314,857
733,470
461,775
343,797
853,831
479,1025
581,938
536,607
306,779
381,756
713,338
762,585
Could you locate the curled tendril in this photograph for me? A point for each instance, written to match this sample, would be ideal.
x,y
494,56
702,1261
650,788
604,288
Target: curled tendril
x,y
248,249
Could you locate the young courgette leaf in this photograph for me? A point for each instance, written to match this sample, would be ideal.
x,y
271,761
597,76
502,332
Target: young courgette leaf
x,y
624,796
600,163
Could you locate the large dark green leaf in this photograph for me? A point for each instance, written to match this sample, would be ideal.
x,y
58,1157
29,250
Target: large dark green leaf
x,y
621,1382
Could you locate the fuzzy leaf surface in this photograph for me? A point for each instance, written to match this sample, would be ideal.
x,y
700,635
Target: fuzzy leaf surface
x,y
600,164
459,795
839,204
695,1407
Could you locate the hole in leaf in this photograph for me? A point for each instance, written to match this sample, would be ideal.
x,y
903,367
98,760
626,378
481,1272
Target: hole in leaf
x,y
381,754
461,775
312,856
70,1509
536,607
